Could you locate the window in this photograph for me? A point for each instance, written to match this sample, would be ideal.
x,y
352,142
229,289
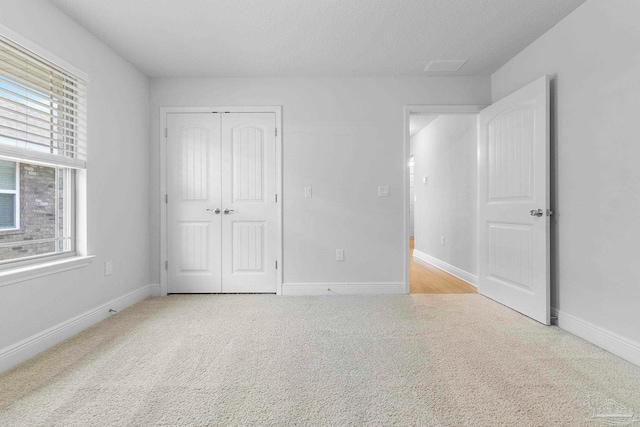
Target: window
x,y
9,204
42,146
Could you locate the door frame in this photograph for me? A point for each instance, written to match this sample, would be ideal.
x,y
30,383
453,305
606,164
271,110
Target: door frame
x,y
423,109
164,111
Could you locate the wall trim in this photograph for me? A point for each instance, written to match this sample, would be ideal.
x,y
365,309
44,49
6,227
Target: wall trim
x,y
155,290
29,347
604,338
345,288
45,267
461,274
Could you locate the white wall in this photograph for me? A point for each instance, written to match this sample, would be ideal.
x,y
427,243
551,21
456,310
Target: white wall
x,y
594,56
412,198
446,205
117,179
344,138
412,190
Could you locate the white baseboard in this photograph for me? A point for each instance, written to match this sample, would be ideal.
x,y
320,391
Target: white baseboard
x,y
610,341
447,268
354,288
155,290
29,347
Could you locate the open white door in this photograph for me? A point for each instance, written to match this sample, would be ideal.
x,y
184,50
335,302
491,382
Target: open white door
x,y
513,168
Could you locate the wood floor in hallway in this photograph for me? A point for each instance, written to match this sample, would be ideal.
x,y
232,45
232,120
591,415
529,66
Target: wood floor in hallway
x,y
427,279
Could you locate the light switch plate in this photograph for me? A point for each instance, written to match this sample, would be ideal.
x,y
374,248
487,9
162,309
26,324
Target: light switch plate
x,y
383,191
339,254
307,192
108,268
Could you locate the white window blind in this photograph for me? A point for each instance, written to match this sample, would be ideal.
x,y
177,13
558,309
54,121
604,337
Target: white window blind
x,y
43,116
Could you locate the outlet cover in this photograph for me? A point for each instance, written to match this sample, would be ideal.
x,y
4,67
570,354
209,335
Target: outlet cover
x,y
108,268
383,191
307,192
339,254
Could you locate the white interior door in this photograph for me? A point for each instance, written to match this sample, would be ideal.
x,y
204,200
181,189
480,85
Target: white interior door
x,y
221,210
248,200
513,167
194,192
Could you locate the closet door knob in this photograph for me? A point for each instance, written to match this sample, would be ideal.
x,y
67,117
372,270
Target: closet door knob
x,y
228,211
216,211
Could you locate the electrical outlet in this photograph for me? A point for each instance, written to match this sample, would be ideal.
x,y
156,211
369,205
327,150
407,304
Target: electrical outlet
x,y
307,191
108,268
339,254
441,240
383,191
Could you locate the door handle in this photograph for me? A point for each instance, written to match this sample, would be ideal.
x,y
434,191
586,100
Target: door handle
x,y
537,213
216,211
228,211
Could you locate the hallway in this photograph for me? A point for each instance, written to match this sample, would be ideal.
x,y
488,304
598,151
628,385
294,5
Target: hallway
x,y
427,279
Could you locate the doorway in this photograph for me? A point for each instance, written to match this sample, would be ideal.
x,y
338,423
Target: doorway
x,y
442,199
222,193
444,203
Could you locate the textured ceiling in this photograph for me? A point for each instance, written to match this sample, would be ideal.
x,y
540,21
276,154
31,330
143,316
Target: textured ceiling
x,y
251,38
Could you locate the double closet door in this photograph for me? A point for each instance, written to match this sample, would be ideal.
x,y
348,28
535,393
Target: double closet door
x,y
221,206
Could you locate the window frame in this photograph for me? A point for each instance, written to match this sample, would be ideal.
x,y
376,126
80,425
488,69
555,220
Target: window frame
x,y
16,201
70,208
27,268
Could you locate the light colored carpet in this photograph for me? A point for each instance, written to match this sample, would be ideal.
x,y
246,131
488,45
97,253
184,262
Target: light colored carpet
x,y
420,360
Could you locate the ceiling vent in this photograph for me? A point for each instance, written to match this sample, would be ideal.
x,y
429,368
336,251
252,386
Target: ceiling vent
x,y
445,65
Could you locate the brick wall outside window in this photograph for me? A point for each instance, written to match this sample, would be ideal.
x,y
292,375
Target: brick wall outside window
x,y
37,214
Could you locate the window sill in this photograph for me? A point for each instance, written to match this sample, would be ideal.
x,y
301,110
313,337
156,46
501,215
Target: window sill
x,y
21,274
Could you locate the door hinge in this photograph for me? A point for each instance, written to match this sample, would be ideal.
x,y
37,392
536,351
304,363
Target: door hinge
x,y
166,198
166,265
276,198
166,132
276,131
276,265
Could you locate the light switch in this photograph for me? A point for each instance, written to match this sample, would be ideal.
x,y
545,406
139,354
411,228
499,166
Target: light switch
x,y
307,191
108,268
339,254
383,191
